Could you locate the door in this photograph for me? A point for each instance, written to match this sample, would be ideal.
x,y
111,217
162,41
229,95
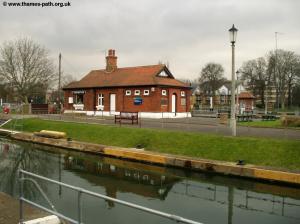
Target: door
x,y
112,103
174,103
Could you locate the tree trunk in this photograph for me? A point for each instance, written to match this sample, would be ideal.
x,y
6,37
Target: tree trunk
x,y
262,96
282,100
289,95
25,99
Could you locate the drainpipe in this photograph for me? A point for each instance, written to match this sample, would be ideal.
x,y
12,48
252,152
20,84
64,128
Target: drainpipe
x,y
94,103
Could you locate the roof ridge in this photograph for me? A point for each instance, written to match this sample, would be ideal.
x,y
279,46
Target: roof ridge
x,y
140,66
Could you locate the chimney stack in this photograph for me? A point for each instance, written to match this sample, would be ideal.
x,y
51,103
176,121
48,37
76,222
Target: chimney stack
x,y
111,61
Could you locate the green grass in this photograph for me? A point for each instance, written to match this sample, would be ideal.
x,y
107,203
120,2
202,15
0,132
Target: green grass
x,y
259,151
265,124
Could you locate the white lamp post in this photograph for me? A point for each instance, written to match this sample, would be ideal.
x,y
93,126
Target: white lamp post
x,y
266,97
237,91
232,35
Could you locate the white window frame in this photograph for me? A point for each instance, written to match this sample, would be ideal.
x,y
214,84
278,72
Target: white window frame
x,y
146,92
71,100
128,92
163,74
163,92
182,93
183,101
100,99
137,92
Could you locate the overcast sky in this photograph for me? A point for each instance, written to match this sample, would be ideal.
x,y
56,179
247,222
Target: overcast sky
x,y
186,33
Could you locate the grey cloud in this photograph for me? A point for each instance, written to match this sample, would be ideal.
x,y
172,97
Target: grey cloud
x,y
187,33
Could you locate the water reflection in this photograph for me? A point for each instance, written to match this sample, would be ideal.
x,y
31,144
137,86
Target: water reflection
x,y
14,157
241,194
200,196
115,178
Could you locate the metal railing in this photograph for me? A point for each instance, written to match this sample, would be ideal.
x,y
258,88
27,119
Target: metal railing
x,y
81,191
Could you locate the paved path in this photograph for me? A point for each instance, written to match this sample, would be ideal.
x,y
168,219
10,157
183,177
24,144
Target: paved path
x,y
9,210
194,124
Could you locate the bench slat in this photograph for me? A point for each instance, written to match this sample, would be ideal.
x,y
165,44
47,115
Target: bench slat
x,y
133,116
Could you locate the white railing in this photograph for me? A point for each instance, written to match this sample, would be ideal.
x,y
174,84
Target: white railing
x,y
23,177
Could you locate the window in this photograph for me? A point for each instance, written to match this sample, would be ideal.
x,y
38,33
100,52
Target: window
x,y
183,101
70,100
146,92
164,102
163,74
78,98
222,99
100,99
137,92
164,92
128,92
182,93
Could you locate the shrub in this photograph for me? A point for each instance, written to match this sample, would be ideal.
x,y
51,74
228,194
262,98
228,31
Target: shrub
x,y
291,121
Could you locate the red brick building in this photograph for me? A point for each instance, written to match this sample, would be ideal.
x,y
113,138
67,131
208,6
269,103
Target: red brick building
x,y
151,90
245,102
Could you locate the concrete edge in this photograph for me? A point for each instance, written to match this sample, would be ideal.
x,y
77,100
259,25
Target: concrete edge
x,y
51,219
227,168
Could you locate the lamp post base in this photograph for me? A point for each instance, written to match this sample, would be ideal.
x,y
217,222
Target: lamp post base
x,y
233,126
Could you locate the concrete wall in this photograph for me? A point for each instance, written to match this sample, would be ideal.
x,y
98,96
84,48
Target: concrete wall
x,y
52,219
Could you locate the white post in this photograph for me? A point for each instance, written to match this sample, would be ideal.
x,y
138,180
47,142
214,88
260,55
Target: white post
x,y
233,120
211,102
266,100
237,99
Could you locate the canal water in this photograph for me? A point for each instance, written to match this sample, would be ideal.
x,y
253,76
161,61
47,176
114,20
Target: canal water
x,y
206,198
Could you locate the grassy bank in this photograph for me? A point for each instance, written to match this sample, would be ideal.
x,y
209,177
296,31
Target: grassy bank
x,y
259,151
266,124
262,124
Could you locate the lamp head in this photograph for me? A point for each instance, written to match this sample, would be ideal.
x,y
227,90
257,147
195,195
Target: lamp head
x,y
232,34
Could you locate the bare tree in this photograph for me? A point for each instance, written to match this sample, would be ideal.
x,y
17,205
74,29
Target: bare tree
x,y
67,79
212,75
285,66
293,77
26,66
255,74
279,68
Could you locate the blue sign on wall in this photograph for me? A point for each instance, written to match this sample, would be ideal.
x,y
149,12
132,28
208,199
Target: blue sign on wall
x,y
138,101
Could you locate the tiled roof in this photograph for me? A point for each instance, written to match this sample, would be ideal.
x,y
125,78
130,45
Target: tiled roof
x,y
130,76
246,95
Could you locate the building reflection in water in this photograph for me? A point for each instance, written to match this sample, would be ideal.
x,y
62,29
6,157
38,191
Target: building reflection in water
x,y
122,176
234,194
120,179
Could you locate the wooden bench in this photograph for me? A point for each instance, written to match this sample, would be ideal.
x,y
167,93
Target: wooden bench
x,y
39,108
244,117
127,116
268,117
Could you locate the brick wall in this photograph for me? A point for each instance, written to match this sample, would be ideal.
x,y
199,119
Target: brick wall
x,y
154,102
